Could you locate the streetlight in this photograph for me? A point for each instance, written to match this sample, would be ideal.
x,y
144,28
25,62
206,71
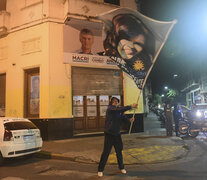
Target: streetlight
x,y
166,88
175,76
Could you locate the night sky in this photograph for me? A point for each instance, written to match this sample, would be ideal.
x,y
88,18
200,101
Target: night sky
x,y
186,47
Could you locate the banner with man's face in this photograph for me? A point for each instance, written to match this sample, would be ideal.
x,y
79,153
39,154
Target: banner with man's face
x,y
133,41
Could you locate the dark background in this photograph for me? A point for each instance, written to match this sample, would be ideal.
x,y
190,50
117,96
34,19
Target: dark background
x,y
186,48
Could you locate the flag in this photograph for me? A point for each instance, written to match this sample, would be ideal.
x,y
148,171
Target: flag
x,y
133,41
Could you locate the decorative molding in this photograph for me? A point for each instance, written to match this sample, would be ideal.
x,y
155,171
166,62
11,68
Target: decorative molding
x,y
3,53
31,46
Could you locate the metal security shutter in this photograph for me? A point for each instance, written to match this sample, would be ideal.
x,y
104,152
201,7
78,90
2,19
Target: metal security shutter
x,y
92,81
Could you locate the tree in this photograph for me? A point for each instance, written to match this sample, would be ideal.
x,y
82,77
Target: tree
x,y
157,99
172,94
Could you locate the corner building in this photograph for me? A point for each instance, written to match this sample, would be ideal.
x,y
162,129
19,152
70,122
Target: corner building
x,y
41,78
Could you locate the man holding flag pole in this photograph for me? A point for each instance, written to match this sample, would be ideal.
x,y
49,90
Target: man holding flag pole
x,y
133,41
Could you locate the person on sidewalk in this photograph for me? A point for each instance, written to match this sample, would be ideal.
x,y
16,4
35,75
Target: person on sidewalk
x,y
177,115
114,117
168,119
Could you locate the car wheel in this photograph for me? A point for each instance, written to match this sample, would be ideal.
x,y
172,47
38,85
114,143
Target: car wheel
x,y
1,159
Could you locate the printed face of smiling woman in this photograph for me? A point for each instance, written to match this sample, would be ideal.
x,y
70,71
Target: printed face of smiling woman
x,y
127,49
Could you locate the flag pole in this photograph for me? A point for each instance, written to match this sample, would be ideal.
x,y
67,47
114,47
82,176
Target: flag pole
x,y
134,111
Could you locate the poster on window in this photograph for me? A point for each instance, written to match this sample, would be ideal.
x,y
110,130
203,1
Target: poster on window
x,y
34,95
78,111
91,111
104,100
103,110
34,106
77,100
91,100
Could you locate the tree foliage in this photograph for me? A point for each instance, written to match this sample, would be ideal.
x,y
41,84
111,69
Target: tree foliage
x,y
157,99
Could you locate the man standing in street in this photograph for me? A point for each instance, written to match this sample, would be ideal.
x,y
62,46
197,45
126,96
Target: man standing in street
x,y
114,117
168,121
177,116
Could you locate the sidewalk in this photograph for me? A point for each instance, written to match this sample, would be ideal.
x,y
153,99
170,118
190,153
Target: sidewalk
x,y
139,148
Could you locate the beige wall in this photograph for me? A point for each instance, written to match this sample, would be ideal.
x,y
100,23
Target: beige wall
x,y
39,46
27,48
59,75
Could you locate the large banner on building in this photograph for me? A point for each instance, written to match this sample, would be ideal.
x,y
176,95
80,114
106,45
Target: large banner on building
x,y
133,41
83,45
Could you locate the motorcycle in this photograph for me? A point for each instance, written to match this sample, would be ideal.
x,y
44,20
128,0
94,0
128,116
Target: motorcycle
x,y
193,124
183,126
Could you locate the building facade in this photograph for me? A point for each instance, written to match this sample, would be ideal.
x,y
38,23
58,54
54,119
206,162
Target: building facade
x,y
43,79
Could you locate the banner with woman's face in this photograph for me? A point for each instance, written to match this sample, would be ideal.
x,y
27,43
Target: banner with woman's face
x,y
134,41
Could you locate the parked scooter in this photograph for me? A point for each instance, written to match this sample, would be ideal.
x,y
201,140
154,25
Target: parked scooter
x,y
194,123
183,126
198,125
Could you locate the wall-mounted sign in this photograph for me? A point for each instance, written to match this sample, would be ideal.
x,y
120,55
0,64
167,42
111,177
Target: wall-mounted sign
x,y
86,59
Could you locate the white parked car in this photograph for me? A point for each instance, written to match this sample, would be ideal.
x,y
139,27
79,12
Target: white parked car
x,y
18,137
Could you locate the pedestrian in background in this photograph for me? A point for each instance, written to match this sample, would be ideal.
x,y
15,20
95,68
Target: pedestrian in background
x,y
177,116
168,119
114,116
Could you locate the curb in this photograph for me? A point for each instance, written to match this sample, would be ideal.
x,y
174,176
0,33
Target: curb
x,y
129,159
49,155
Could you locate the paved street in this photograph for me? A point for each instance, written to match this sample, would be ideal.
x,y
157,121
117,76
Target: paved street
x,y
148,157
192,166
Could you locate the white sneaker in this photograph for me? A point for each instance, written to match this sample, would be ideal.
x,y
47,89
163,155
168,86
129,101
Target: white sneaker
x,y
123,171
100,174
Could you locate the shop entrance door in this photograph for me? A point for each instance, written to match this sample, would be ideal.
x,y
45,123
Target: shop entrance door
x,y
32,82
92,89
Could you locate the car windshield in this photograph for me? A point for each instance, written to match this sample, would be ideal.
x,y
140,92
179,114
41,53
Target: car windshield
x,y
18,125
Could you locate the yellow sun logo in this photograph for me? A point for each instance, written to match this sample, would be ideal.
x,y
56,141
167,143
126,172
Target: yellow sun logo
x,y
138,65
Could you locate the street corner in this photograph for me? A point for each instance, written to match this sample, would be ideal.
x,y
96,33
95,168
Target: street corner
x,y
76,158
170,150
50,155
44,155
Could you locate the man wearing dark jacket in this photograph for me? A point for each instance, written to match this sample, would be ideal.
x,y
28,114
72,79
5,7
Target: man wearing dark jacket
x,y
114,116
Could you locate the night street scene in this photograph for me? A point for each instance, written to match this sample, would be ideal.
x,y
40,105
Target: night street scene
x,y
103,89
